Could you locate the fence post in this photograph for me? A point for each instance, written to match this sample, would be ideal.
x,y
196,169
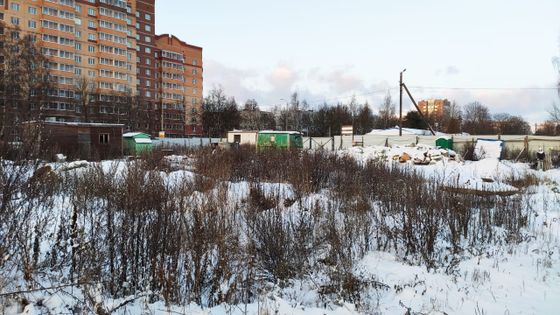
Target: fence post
x,y
310,143
332,143
526,145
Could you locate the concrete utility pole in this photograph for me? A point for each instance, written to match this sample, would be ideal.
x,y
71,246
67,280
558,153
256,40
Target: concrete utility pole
x,y
400,103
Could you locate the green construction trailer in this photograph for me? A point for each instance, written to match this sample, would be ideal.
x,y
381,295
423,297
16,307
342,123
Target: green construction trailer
x,y
279,139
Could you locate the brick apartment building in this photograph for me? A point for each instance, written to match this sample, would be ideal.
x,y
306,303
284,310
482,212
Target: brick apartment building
x,y
434,107
179,85
110,47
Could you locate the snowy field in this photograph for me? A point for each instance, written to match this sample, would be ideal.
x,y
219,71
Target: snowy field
x,y
496,277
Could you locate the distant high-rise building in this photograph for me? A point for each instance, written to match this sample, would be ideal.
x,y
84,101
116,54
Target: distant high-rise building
x,y
434,107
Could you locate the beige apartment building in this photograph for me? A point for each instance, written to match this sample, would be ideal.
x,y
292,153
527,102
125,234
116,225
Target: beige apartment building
x,y
104,58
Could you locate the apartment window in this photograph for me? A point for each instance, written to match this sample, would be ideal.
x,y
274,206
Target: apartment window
x,y
91,73
91,24
91,49
77,71
78,8
91,61
32,10
148,50
78,34
91,12
194,62
194,72
1,15
148,17
32,24
148,83
103,138
14,6
148,72
193,81
137,14
78,59
91,36
148,94
78,46
148,28
15,20
147,39
148,61
137,25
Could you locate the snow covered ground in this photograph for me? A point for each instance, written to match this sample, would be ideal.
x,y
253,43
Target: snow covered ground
x,y
501,278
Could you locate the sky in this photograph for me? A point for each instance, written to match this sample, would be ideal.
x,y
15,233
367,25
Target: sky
x,y
497,52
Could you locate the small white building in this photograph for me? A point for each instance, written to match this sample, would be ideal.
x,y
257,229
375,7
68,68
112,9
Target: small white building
x,y
242,137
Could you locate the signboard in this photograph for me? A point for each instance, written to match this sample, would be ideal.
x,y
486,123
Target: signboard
x,y
162,134
347,130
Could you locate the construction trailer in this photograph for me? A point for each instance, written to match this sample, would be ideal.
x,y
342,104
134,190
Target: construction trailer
x,y
267,138
280,139
240,137
137,143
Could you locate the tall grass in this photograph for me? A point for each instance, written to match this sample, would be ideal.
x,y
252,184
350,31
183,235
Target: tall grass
x,y
128,229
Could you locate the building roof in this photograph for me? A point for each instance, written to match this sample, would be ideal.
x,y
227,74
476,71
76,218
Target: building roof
x,y
143,140
281,132
135,134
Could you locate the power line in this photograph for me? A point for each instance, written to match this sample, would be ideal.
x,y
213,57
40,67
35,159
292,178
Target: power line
x,y
385,90
378,91
481,88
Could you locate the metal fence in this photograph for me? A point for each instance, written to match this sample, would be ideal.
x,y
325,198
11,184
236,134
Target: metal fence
x,y
511,142
529,144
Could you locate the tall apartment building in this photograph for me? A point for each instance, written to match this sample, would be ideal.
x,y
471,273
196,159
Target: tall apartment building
x,y
434,107
146,64
179,85
104,58
91,47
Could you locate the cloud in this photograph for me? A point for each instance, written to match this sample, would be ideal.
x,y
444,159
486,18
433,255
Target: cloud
x,y
449,70
341,81
269,86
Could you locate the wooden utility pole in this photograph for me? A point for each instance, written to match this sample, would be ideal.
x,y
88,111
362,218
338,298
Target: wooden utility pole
x,y
418,109
400,104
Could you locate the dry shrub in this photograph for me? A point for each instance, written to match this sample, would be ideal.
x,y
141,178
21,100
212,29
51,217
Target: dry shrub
x,y
132,231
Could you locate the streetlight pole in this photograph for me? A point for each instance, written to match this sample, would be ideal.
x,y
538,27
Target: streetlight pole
x,y
400,103
285,115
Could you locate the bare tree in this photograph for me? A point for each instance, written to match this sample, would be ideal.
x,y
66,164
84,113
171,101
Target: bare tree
x,y
452,116
84,89
387,112
251,116
476,119
25,82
